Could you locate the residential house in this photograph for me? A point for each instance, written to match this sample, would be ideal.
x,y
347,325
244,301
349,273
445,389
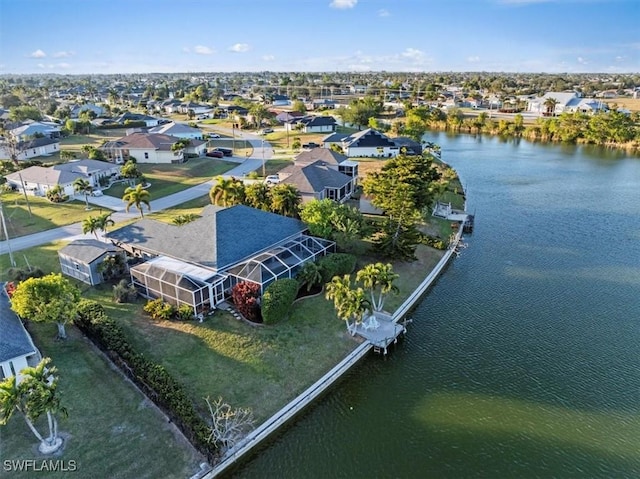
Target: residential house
x,y
565,102
365,143
31,148
288,116
145,148
37,180
197,108
315,124
81,259
318,180
170,105
77,109
27,130
17,350
323,103
199,262
408,146
179,130
137,117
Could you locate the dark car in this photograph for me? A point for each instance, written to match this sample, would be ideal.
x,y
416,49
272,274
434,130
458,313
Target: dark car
x,y
215,154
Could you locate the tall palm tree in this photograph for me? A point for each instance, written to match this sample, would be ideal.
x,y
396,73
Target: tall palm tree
x,y
285,200
137,196
91,225
378,278
80,185
104,221
227,192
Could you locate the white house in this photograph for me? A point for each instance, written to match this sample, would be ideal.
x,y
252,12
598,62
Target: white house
x,y
179,130
145,148
30,128
32,148
17,351
37,180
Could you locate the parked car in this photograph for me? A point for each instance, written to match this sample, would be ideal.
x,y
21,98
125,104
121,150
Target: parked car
x,y
214,135
215,154
96,192
264,131
310,145
272,179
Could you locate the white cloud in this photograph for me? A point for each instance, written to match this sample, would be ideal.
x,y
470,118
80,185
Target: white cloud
x,y
473,59
383,12
268,58
342,4
38,54
413,53
202,50
239,47
63,54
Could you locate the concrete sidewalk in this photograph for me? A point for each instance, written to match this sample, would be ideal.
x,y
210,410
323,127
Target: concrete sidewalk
x,y
107,202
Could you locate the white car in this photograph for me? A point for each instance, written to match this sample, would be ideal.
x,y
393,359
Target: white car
x,y
214,135
272,179
96,192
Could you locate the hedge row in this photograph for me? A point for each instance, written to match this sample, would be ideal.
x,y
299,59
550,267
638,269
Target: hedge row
x,y
127,124
152,378
336,264
277,300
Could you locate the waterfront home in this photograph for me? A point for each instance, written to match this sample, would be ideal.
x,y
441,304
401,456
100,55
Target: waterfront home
x,y
198,263
365,143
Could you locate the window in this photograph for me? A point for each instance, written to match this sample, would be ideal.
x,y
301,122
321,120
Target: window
x,y
146,155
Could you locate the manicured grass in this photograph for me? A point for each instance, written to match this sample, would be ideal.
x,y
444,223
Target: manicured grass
x,y
250,366
190,207
168,179
44,257
112,430
45,214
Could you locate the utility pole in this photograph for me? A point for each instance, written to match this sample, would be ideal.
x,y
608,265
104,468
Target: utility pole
x,y
6,234
263,166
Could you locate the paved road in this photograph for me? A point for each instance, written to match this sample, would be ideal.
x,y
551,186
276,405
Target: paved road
x,y
74,231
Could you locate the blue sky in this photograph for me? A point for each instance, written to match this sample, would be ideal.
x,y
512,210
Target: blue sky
x,y
127,36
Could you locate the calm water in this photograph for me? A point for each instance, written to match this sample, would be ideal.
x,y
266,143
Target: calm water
x,y
524,359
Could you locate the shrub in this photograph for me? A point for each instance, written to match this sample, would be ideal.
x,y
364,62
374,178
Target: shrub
x,y
10,288
245,297
277,300
184,312
20,274
434,242
158,309
153,379
124,293
336,264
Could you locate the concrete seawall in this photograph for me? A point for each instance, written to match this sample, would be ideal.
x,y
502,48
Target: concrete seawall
x,y
325,382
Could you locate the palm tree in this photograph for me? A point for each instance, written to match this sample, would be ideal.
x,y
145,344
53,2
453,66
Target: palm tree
x,y
36,394
350,304
378,278
91,225
227,192
285,200
258,195
80,185
550,106
130,171
136,196
104,221
310,274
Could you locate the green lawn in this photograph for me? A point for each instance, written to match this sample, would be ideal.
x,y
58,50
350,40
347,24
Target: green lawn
x,y
112,430
45,214
168,179
190,207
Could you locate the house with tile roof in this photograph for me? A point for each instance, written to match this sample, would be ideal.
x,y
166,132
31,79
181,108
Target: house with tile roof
x,y
145,148
37,180
17,350
81,259
199,262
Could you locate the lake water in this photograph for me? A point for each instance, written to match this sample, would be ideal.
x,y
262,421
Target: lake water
x,y
524,359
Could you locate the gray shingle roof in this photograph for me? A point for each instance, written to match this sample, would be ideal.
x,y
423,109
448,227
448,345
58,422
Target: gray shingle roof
x,y
220,238
87,250
61,174
14,340
325,154
315,177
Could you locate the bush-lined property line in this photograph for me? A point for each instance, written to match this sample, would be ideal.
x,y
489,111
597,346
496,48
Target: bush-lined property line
x,y
316,389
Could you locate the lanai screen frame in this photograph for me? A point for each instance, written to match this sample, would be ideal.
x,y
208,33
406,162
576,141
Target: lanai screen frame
x,y
281,261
